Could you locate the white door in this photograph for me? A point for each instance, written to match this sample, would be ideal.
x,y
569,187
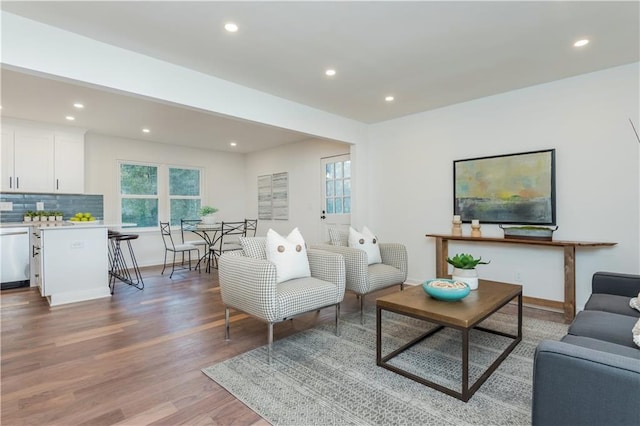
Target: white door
x,y
336,194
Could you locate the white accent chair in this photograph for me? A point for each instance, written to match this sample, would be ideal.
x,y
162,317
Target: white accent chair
x,y
248,284
362,278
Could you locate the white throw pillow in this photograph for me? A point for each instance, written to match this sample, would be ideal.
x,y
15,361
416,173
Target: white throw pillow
x,y
288,254
366,241
636,333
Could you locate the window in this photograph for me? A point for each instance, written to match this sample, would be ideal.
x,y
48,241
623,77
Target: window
x,y
139,194
184,194
338,187
150,193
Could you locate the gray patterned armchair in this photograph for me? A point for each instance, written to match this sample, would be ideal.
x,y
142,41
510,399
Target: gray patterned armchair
x,y
248,284
362,278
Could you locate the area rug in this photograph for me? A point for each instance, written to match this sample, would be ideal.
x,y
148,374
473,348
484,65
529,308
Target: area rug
x,y
317,378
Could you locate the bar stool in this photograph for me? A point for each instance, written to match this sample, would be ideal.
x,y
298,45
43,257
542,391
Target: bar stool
x,y
118,268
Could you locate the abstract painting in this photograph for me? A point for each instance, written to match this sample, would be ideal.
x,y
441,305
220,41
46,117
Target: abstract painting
x,y
510,189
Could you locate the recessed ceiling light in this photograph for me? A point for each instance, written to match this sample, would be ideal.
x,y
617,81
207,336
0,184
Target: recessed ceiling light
x,y
389,98
145,130
581,43
231,27
233,144
330,72
70,118
78,105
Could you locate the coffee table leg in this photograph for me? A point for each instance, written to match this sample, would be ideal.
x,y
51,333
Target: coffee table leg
x,y
378,336
465,365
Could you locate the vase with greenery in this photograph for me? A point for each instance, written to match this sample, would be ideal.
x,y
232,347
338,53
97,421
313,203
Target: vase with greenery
x,y
464,268
28,215
208,214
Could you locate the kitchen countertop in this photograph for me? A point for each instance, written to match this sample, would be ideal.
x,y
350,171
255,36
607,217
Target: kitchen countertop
x,y
65,225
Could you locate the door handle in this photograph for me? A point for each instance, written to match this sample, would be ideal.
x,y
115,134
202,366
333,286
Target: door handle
x,y
10,181
323,217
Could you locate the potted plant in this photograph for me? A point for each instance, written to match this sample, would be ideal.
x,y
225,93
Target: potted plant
x,y
207,214
28,215
464,268
52,216
59,215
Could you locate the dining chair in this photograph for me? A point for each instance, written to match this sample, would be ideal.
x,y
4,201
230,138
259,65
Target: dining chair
x,y
169,246
250,227
228,240
185,225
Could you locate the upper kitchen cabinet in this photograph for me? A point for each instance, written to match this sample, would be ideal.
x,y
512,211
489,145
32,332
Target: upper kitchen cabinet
x,y
37,159
69,162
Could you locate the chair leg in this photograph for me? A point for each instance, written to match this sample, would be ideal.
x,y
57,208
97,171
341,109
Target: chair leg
x,y
337,319
226,323
164,264
270,340
401,286
173,265
362,309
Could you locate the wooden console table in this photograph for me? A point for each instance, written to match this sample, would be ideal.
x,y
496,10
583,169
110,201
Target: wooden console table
x,y
569,304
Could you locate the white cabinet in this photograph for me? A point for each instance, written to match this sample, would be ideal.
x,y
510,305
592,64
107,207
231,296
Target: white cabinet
x,y
33,160
6,159
42,160
69,163
74,264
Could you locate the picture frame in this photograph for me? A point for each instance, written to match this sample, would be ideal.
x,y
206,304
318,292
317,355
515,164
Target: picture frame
x,y
515,188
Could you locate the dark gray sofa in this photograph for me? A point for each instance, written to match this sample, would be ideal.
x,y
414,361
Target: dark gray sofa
x,y
592,376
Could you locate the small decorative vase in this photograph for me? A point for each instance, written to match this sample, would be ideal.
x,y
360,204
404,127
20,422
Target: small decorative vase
x,y
209,219
59,218
469,276
27,219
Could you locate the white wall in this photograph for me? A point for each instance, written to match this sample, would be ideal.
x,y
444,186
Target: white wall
x,y
585,118
224,176
302,162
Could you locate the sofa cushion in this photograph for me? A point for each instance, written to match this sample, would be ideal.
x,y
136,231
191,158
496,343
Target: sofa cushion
x,y
367,241
601,345
614,328
611,303
254,247
289,254
338,237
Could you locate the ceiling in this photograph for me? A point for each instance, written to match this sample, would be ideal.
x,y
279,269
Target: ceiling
x,y
426,54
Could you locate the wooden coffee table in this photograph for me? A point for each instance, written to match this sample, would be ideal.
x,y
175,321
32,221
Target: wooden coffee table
x,y
463,315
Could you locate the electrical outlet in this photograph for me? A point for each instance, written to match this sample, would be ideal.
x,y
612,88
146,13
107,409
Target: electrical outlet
x,y
518,277
6,206
40,205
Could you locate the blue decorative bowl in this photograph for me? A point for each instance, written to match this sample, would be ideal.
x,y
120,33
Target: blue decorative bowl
x,y
445,289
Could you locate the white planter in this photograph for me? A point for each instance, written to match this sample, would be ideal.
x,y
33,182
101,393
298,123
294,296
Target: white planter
x,y
469,276
209,219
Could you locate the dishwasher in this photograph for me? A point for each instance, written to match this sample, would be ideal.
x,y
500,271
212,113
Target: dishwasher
x,y
14,257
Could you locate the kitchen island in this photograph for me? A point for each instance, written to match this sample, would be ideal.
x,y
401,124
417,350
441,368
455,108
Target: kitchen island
x,y
70,260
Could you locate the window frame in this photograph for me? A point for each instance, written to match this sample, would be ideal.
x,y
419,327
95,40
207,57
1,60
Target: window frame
x,y
163,189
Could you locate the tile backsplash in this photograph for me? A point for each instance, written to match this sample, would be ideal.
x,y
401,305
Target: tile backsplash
x,y
68,204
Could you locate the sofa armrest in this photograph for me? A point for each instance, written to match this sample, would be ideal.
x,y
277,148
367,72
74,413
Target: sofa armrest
x,y
394,254
617,284
327,266
578,385
249,285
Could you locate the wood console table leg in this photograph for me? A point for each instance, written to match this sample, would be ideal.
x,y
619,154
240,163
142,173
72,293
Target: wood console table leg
x,y
442,252
569,282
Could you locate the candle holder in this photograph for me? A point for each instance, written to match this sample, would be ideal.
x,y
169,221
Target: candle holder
x,y
475,228
456,230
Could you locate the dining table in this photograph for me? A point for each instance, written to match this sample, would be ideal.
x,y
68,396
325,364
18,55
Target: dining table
x,y
210,233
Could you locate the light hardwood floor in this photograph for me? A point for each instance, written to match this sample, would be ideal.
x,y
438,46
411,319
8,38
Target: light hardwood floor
x,y
135,358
